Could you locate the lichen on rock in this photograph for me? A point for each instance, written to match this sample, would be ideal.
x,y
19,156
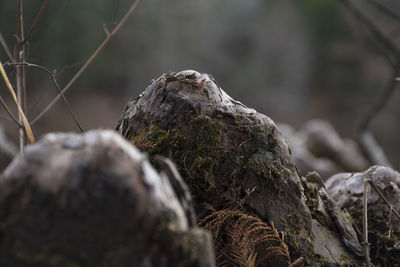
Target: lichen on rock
x,y
231,156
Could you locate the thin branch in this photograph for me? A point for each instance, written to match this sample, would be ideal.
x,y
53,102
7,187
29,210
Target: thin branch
x,y
12,117
91,58
378,190
114,20
366,245
106,30
390,47
5,46
379,104
371,148
385,9
365,224
35,21
73,65
392,52
388,44
6,118
53,78
330,252
19,55
373,151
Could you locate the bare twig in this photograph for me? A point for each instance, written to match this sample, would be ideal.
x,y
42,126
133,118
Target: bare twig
x,y
379,104
53,78
35,21
376,188
366,245
12,117
385,9
91,58
390,222
69,66
377,33
392,52
5,46
114,20
6,118
19,55
330,252
373,151
106,30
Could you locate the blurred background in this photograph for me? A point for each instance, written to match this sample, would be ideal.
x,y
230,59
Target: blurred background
x,y
292,60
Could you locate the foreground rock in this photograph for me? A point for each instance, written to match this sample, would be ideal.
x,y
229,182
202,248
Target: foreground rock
x,y
383,225
95,200
232,157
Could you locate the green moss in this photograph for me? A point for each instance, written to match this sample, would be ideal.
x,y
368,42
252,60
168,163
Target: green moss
x,y
224,173
198,155
301,247
325,261
345,260
139,138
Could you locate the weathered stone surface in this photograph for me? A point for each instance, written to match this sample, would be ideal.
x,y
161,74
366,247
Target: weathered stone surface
x,y
335,237
231,156
384,226
94,200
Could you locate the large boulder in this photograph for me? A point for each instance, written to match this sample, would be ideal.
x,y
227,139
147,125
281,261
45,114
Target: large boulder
x,y
231,156
95,200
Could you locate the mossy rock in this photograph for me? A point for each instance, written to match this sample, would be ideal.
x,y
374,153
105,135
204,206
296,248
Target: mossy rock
x,y
230,155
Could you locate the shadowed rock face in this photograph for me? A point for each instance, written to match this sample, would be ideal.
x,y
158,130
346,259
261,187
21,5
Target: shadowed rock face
x,y
93,200
231,156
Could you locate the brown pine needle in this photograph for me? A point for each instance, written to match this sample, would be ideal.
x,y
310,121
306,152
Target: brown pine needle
x,y
28,129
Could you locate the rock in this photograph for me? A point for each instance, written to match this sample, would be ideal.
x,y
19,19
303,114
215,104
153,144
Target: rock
x,y
318,147
231,156
323,140
94,200
383,226
332,227
305,160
